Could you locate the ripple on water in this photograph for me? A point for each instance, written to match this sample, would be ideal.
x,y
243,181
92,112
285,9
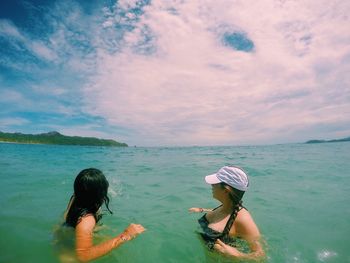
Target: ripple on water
x,y
143,168
198,189
325,255
172,198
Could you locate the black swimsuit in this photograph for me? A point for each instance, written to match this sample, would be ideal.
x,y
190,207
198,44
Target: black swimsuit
x,y
210,235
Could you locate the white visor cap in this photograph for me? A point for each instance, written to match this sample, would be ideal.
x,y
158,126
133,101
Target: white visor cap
x,y
231,175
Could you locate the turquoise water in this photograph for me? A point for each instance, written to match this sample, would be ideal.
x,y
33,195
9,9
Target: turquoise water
x,y
299,197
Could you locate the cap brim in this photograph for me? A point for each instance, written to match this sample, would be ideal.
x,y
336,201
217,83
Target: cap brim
x,y
212,179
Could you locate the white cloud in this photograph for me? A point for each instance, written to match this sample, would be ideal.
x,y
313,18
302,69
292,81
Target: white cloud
x,y
47,90
194,90
6,122
11,96
18,39
42,50
26,101
127,4
166,75
7,28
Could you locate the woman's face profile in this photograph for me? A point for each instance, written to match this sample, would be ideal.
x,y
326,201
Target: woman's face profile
x,y
218,191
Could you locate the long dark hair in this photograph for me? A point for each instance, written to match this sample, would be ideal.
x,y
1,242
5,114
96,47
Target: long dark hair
x,y
90,192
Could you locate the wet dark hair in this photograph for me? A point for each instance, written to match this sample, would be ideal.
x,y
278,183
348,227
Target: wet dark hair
x,y
235,196
90,192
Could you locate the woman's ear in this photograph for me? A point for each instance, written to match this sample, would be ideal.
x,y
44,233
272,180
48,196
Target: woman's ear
x,y
227,190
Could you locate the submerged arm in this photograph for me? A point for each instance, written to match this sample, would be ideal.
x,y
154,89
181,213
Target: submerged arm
x,y
257,253
85,249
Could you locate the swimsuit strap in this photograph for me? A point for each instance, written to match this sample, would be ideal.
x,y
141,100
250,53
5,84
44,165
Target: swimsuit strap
x,y
217,207
230,222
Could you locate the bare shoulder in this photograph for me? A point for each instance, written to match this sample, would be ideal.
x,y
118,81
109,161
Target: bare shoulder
x,y
243,215
86,224
248,230
245,225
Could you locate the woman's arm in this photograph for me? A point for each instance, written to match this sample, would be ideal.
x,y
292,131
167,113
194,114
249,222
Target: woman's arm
x,y
257,253
199,209
247,230
85,249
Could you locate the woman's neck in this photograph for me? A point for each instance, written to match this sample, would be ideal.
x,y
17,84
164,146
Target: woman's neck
x,y
227,206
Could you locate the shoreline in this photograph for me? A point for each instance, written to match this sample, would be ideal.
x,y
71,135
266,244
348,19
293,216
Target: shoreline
x,y
53,144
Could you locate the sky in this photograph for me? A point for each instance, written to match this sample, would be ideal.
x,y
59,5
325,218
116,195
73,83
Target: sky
x,y
177,73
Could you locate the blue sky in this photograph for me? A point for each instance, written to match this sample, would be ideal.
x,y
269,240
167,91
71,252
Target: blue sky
x,y
175,73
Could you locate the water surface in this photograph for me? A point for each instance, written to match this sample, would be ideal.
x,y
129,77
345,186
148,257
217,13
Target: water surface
x,y
298,196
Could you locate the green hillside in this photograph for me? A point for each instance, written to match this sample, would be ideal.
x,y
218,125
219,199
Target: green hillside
x,y
325,141
57,138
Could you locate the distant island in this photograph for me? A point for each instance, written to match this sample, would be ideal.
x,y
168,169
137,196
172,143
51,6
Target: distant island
x,y
326,141
55,137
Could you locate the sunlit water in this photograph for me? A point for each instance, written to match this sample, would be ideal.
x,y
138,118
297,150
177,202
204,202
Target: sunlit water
x,y
299,197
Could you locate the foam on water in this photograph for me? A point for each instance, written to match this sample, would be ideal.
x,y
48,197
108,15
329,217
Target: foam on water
x,y
325,255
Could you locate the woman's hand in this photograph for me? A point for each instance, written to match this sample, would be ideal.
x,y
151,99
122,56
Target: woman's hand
x,y
133,230
226,249
195,210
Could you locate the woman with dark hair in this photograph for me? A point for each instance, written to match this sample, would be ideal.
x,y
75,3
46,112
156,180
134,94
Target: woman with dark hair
x,y
84,211
223,225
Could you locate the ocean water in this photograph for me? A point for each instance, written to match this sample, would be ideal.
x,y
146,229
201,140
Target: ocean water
x,y
299,197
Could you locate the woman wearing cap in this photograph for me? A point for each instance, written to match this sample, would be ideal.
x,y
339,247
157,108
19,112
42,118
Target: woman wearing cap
x,y
223,225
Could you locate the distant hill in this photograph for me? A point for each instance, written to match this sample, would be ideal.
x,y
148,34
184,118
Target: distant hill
x,y
325,141
55,137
